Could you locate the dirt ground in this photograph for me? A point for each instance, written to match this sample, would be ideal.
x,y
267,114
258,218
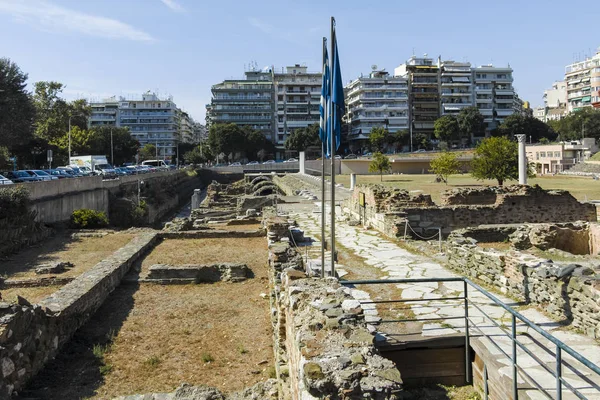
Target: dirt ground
x,y
236,228
152,338
84,253
208,251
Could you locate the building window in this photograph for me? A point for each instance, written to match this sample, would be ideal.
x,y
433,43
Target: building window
x,y
557,154
543,154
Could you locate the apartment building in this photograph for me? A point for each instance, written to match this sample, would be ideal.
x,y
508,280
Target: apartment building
x,y
245,102
423,77
377,100
274,103
297,99
495,96
456,87
104,113
555,103
150,119
583,83
186,127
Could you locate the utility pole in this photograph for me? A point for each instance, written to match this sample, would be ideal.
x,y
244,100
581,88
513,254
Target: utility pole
x,y
112,153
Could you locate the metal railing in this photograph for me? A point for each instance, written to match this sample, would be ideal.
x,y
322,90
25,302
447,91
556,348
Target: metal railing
x,y
517,370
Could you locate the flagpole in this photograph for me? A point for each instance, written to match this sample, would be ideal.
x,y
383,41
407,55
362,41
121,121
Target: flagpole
x,y
332,152
323,144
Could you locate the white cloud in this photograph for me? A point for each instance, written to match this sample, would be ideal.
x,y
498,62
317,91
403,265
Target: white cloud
x,y
260,25
173,5
52,18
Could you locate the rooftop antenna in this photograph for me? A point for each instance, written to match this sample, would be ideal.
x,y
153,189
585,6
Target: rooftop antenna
x,y
413,53
374,67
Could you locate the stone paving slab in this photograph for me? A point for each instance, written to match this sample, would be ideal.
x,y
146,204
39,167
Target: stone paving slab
x,y
397,263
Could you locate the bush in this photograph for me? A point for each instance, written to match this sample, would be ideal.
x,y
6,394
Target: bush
x,y
14,200
85,218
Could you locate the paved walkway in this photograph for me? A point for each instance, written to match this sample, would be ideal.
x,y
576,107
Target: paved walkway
x,y
397,262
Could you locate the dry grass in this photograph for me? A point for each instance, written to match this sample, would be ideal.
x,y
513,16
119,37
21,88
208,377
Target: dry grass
x,y
207,251
84,253
152,338
504,246
583,188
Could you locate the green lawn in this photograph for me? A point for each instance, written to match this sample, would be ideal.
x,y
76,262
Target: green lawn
x,y
583,188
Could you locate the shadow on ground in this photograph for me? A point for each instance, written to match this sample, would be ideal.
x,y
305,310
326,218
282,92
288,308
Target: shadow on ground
x,y
77,371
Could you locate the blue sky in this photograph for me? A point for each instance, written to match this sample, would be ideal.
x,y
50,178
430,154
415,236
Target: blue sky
x,y
182,47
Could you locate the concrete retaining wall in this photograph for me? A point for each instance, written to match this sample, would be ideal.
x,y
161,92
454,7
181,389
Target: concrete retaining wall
x,y
30,335
55,201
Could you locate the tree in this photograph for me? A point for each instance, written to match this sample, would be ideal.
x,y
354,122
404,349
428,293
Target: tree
x,y
302,138
583,122
52,112
444,165
378,137
380,163
16,107
445,128
496,158
5,162
226,138
195,156
532,128
470,123
148,152
421,141
398,139
256,141
124,146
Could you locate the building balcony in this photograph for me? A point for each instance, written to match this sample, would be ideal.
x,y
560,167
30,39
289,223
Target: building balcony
x,y
504,101
238,87
243,118
245,98
446,93
505,91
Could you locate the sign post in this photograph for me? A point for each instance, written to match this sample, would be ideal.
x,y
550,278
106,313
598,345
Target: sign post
x,y
49,157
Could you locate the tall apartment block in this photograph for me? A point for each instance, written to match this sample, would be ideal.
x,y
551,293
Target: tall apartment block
x,y
245,102
494,94
377,100
150,119
274,103
555,103
297,99
583,83
424,93
456,87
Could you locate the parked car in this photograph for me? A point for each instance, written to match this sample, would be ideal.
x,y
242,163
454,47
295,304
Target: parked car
x,y
269,162
420,151
21,176
291,160
42,175
60,174
72,171
351,157
338,157
5,181
123,171
235,164
133,169
253,163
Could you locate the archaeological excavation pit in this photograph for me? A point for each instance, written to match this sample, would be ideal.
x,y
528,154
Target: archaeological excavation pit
x,y
64,257
150,337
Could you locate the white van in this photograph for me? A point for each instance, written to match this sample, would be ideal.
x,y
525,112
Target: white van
x,y
156,164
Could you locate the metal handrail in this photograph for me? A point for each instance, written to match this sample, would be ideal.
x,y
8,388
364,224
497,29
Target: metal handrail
x,y
560,346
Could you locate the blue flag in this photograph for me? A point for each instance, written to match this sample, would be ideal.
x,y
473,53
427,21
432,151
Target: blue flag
x,y
337,93
323,124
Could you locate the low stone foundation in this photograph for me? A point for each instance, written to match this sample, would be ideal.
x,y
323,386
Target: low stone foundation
x,y
389,210
323,348
212,233
566,291
30,335
188,273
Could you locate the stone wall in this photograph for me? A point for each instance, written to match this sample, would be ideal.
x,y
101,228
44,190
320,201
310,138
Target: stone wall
x,y
196,273
322,346
565,291
388,210
30,334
